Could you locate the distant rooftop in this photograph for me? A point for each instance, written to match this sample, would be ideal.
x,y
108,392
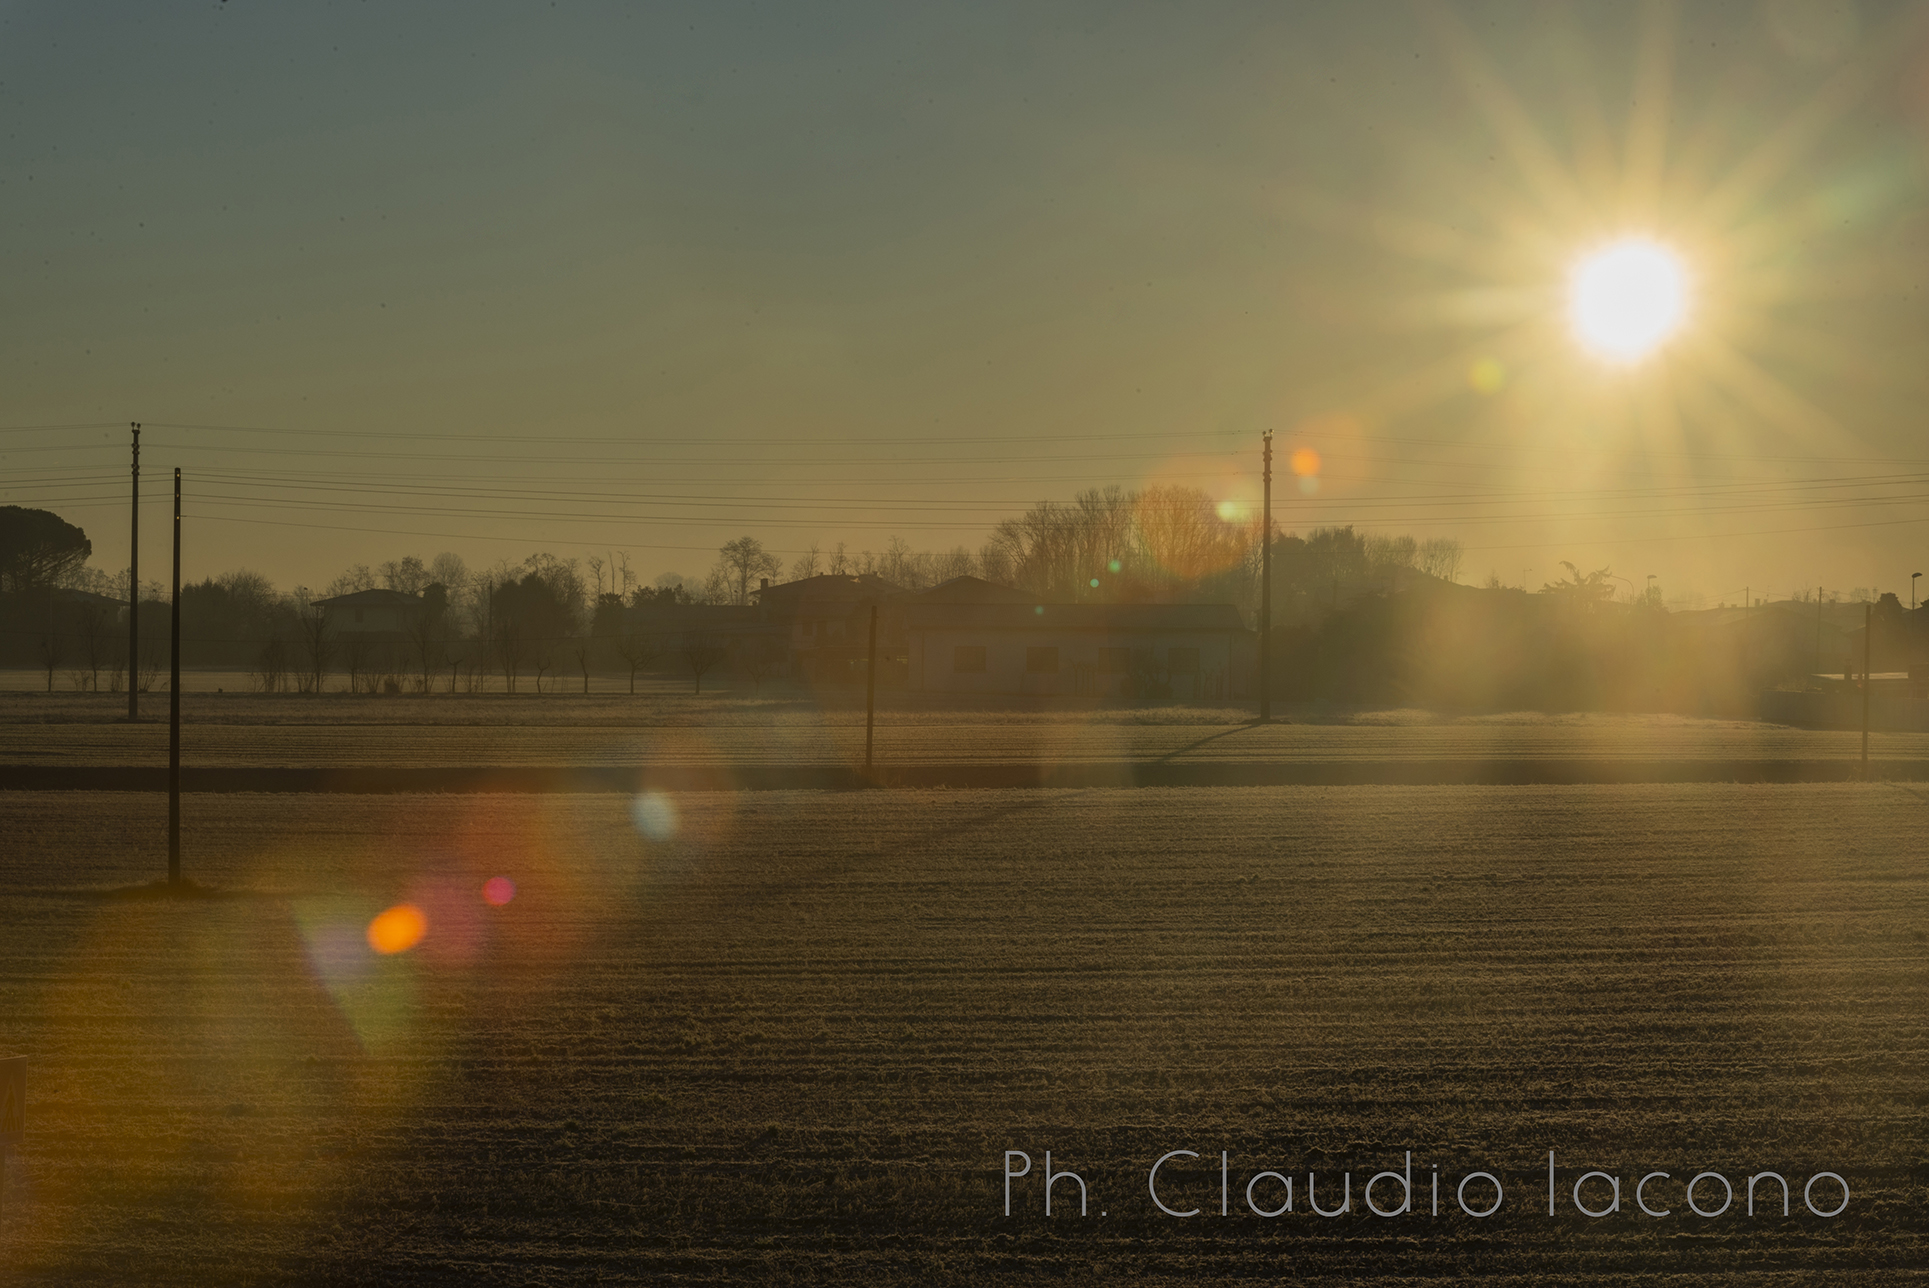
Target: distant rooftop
x,y
371,599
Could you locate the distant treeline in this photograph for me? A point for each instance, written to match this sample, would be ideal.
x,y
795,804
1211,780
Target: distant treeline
x,y
1358,618
1441,646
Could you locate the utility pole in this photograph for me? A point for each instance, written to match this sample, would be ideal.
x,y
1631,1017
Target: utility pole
x,y
174,704
870,693
1266,592
1818,630
1868,639
134,587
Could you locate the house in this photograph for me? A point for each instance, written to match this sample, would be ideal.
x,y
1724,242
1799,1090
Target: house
x,y
824,625
960,640
369,615
974,636
370,628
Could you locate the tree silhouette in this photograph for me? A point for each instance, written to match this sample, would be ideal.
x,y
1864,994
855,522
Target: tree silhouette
x,y
701,653
639,651
741,562
38,548
1581,589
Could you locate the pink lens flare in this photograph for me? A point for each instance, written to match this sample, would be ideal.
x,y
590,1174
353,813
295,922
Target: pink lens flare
x,y
498,890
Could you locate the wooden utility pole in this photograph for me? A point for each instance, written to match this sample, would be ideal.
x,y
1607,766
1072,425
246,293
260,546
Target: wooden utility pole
x,y
134,587
1818,630
1868,653
870,693
174,704
1747,593
1266,591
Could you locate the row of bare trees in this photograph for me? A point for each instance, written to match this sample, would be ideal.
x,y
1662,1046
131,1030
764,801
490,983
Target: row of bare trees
x,y
1178,543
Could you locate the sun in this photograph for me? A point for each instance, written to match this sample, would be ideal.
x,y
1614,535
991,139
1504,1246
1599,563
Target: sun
x,y
1627,299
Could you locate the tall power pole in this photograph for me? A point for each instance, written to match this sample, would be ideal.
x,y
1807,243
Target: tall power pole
x,y
870,693
1868,656
1266,591
174,704
134,586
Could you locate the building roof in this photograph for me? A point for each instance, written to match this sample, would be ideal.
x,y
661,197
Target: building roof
x,y
371,599
1114,619
826,589
971,590
88,597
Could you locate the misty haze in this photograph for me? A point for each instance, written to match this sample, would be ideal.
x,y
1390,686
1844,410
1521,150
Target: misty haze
x,y
716,643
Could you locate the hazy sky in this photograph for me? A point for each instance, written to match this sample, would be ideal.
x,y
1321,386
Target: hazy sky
x,y
389,279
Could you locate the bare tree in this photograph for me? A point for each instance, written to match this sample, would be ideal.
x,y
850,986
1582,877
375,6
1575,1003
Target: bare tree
x,y
271,666
410,575
579,648
423,630
357,578
639,651
318,647
764,656
509,648
50,650
93,642
701,653
806,565
150,669
1440,557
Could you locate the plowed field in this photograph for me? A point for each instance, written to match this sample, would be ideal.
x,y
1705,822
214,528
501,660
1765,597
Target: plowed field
x,y
790,1036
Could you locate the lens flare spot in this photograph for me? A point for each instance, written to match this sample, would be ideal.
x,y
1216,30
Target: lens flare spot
x,y
1305,462
1094,583
498,890
1308,484
1114,566
654,815
1487,376
1626,299
398,929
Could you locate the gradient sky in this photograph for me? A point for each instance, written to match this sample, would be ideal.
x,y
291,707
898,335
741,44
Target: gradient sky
x,y
577,277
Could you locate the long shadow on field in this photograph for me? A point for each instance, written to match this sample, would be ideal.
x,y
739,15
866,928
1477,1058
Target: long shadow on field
x,y
857,862
1200,742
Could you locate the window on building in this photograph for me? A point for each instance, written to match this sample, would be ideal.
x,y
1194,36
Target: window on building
x,y
968,657
1182,661
1041,661
1115,661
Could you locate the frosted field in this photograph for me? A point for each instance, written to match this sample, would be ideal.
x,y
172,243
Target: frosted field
x,y
788,1036
240,730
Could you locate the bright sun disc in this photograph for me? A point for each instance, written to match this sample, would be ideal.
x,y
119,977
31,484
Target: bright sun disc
x,y
1626,299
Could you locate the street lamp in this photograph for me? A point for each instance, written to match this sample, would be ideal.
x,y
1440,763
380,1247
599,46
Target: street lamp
x,y
1912,590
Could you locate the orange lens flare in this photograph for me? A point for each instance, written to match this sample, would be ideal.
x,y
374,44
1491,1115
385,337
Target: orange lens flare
x,y
1305,462
398,929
